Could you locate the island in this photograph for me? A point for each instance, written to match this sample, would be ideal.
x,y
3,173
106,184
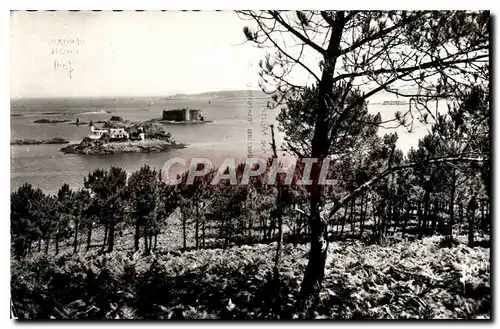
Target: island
x,y
123,136
68,121
55,140
175,122
395,102
24,114
183,116
51,121
81,123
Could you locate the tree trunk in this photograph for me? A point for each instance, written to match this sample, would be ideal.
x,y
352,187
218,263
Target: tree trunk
x,y
452,202
279,216
137,234
250,226
156,242
197,225
39,245
222,226
184,229
338,221
352,216
425,216
362,215
307,235
47,246
105,241
385,213
471,230
320,145
89,236
388,220
488,213
111,236
483,216
203,232
75,241
419,213
270,230
57,243
471,210
276,270
344,218
315,271
406,219
146,247
262,228
435,218
399,210
226,232
460,212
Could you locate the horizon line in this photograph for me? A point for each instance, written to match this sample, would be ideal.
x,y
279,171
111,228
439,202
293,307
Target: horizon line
x,y
135,96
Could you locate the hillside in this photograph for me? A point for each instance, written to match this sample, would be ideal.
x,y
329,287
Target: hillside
x,y
409,280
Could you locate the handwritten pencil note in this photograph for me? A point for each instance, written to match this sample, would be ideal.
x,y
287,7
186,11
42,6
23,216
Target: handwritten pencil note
x,y
64,66
65,46
65,50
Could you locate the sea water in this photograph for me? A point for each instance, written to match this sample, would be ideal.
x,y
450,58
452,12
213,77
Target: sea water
x,y
240,126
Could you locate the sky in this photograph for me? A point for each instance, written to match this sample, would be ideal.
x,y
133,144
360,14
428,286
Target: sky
x,y
150,53
72,54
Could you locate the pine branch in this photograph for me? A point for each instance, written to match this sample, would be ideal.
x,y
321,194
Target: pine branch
x,y
282,51
275,14
360,42
410,69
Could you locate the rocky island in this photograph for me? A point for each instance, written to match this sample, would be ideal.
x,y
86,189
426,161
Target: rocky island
x,y
51,121
55,140
99,147
183,116
119,136
395,102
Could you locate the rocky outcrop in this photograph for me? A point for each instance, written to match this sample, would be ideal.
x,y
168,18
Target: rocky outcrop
x,y
99,147
56,140
116,118
116,124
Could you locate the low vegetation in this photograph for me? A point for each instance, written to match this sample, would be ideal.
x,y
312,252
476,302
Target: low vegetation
x,y
408,280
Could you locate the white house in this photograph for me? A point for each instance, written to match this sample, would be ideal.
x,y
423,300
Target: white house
x,y
118,133
113,133
96,133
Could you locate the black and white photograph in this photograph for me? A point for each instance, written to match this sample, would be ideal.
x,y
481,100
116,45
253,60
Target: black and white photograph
x,y
250,165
